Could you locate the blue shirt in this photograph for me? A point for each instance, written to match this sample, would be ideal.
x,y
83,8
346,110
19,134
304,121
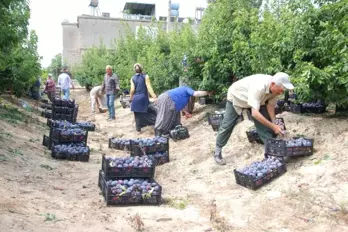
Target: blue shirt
x,y
180,96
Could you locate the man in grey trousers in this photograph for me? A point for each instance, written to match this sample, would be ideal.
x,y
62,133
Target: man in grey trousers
x,y
111,85
259,93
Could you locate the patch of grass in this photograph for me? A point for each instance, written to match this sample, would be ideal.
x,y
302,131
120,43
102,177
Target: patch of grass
x,y
176,202
34,140
5,135
11,115
49,216
46,166
15,151
3,158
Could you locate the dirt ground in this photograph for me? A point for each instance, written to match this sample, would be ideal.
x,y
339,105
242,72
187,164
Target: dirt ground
x,y
41,194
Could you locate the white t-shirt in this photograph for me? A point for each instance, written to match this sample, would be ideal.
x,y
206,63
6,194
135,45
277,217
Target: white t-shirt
x,y
64,81
251,92
95,90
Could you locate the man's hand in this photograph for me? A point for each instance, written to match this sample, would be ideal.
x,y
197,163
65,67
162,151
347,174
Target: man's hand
x,y
277,129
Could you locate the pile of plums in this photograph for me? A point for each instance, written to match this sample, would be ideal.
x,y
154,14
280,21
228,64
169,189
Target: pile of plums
x,y
134,161
71,149
299,142
260,169
133,187
148,142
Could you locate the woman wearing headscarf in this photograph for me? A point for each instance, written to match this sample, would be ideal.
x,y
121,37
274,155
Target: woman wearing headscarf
x,y
139,97
169,105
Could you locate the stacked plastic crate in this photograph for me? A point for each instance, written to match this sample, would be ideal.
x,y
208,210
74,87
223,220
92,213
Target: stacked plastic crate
x,y
129,180
67,139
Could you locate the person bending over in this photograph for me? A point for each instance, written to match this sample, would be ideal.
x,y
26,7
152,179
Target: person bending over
x,y
259,93
169,105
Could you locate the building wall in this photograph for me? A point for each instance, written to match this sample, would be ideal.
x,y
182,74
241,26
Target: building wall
x,y
89,30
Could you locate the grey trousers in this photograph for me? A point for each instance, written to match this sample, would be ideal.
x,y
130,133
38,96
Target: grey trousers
x,y
230,120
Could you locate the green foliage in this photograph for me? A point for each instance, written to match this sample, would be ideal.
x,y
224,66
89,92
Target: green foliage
x,y
307,39
56,66
19,60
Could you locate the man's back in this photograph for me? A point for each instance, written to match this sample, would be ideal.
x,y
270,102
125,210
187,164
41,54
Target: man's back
x,y
64,81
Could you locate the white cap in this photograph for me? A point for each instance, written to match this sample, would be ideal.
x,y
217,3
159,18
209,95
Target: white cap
x,y
50,75
283,79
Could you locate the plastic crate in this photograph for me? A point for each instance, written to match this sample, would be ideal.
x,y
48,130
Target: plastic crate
x,y
296,108
129,172
123,145
253,137
45,141
83,157
313,110
205,101
251,183
46,114
277,147
61,137
120,200
138,150
179,133
161,157
215,120
47,106
89,127
125,101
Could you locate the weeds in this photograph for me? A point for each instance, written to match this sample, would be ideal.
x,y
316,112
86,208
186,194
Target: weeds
x,y
177,202
49,216
5,135
15,151
11,115
137,223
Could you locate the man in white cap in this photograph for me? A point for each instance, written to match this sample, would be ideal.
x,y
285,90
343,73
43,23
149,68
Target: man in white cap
x,y
259,93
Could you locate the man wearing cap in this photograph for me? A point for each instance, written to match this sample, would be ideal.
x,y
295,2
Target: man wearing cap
x,y
259,93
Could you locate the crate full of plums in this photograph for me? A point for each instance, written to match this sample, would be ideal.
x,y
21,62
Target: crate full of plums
x,y
64,124
69,135
215,120
120,144
130,191
58,102
46,113
313,107
145,146
131,167
72,152
260,173
160,157
297,146
88,126
47,106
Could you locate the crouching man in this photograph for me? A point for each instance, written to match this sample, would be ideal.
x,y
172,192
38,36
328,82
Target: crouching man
x,y
98,97
259,93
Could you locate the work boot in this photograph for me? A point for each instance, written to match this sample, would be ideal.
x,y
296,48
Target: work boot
x,y
218,159
218,156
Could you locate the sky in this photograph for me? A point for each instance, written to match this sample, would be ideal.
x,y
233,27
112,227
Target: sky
x,y
47,16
